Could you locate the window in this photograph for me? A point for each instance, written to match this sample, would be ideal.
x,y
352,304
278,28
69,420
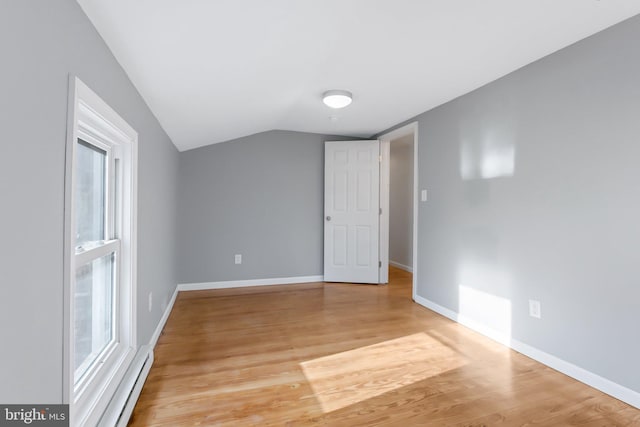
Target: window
x,y
100,254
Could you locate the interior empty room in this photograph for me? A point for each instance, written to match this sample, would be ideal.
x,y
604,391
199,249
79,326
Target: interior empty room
x,y
336,213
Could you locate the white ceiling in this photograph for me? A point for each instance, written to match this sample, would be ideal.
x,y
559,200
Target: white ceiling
x,y
215,70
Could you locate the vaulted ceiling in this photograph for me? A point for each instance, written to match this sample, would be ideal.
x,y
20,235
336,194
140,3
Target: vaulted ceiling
x,y
216,70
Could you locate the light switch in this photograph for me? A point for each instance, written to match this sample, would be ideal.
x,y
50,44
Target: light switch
x,y
423,196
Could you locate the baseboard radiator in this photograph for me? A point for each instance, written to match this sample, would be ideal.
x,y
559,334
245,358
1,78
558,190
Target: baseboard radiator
x,y
124,400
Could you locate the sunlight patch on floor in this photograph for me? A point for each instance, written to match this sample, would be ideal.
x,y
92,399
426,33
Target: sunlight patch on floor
x,y
343,379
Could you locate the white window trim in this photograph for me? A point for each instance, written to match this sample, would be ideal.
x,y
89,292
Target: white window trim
x,y
90,117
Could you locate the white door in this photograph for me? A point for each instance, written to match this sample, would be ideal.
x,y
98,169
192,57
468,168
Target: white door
x,y
351,211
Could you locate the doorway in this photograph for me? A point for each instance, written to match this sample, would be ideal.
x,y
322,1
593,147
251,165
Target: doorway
x,y
399,202
357,207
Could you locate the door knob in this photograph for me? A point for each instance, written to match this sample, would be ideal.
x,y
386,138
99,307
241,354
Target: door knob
x,y
328,218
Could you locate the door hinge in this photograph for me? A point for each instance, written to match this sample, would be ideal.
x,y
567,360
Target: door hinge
x,y
380,158
380,211
379,264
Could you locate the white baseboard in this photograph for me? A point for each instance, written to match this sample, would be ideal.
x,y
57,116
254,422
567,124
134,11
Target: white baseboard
x,y
126,396
609,387
401,266
246,283
587,377
463,320
163,320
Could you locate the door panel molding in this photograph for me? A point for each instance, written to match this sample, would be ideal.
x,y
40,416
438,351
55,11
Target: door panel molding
x,y
351,211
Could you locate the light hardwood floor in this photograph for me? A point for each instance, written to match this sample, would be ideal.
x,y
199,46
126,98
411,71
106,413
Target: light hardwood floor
x,y
349,355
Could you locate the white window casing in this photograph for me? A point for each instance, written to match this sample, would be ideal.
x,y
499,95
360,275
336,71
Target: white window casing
x,y
93,122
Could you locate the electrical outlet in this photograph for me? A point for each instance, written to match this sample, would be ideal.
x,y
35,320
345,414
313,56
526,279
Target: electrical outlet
x,y
238,259
150,301
534,309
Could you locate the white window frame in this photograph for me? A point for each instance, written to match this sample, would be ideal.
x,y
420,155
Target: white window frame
x,y
92,120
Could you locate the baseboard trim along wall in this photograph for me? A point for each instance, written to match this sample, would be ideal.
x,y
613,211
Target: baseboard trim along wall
x,y
401,266
122,404
163,320
589,378
246,283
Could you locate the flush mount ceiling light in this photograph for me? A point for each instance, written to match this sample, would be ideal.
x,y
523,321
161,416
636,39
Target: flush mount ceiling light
x,y
337,98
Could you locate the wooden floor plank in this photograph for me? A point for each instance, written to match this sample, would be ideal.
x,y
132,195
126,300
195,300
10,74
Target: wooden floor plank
x,y
328,354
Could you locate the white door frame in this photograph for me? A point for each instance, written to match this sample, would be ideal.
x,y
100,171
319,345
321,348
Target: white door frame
x,y
385,141
385,181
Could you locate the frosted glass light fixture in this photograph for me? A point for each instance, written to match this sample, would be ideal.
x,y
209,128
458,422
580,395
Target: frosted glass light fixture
x,y
337,98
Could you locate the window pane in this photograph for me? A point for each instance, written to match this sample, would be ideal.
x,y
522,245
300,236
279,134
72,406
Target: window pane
x,y
90,193
93,312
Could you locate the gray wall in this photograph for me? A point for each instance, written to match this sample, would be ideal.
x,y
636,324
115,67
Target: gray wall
x,y
533,186
401,201
42,42
260,196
